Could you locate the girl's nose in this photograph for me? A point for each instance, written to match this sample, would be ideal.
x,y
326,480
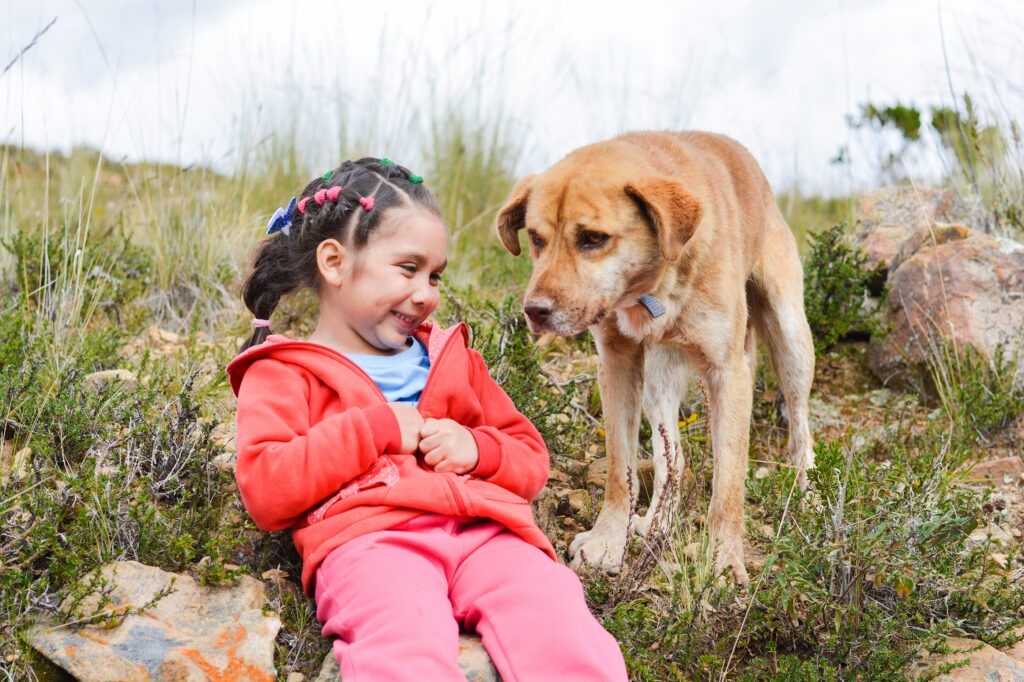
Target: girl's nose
x,y
426,294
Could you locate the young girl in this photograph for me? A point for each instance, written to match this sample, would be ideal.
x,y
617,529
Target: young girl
x,y
403,468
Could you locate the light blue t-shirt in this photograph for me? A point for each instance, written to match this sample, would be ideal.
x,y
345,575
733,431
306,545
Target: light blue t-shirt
x,y
401,377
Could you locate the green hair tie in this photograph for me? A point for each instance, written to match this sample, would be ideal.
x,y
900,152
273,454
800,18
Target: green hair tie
x,y
415,179
386,161
327,175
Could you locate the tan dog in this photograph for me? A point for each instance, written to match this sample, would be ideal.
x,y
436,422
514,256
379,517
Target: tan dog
x,y
689,219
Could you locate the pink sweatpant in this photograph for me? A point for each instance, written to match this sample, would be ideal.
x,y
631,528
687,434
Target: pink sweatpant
x,y
394,600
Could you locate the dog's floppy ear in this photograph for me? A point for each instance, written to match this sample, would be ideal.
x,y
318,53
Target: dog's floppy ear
x,y
512,216
674,212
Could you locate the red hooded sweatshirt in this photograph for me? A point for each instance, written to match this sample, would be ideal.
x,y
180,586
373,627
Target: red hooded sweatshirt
x,y
318,445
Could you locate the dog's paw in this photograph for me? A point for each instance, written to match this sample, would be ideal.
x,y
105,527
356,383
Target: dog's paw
x,y
651,522
730,556
600,549
641,524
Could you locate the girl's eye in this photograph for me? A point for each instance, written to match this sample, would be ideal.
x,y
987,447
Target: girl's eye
x,y
435,278
408,267
592,240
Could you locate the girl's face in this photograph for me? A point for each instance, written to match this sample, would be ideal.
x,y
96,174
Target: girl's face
x,y
385,290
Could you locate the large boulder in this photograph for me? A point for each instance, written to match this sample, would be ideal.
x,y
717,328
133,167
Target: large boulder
x,y
192,632
961,288
971,661
889,215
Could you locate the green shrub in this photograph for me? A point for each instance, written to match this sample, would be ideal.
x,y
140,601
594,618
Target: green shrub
x,y
835,287
871,564
876,560
117,472
977,394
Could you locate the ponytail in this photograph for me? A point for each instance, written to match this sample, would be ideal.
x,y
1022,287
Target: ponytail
x,y
268,282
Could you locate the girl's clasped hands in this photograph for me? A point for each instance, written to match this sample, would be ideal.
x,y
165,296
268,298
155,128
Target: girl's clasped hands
x,y
446,445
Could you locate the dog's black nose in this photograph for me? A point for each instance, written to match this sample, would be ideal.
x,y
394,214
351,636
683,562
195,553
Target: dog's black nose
x,y
537,312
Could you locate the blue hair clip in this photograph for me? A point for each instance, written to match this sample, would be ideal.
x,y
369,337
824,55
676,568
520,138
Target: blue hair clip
x,y
282,219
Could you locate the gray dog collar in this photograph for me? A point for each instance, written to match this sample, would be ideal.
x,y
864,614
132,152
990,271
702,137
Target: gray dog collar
x,y
653,305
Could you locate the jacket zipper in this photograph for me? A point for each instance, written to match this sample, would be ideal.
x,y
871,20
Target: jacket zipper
x,y
460,502
433,366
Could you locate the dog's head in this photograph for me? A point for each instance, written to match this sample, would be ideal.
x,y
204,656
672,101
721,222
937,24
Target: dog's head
x,y
602,225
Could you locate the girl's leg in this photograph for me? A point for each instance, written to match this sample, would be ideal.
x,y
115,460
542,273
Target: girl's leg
x,y
531,613
385,597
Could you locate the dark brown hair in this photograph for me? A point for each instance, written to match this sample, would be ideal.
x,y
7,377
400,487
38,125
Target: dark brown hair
x,y
286,263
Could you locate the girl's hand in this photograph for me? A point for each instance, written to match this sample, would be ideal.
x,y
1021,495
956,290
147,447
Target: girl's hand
x,y
448,446
409,423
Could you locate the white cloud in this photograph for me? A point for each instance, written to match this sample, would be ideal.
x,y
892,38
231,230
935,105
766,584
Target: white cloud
x,y
778,76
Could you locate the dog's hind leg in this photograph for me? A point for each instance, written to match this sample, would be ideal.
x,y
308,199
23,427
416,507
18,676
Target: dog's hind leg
x,y
730,394
665,381
778,287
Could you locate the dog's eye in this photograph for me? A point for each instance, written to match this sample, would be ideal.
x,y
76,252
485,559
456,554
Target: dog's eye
x,y
592,240
535,239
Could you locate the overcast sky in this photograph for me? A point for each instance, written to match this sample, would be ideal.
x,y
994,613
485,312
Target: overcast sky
x,y
208,81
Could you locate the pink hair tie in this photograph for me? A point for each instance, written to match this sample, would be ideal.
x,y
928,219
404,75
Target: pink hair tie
x,y
333,193
257,322
366,203
302,204
319,196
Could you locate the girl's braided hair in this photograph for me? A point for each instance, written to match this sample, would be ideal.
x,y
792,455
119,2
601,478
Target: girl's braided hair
x,y
286,263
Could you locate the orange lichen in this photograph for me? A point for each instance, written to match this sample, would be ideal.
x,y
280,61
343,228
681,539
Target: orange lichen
x,y
94,638
236,670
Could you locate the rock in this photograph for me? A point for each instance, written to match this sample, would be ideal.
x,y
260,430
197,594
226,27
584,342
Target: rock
x,y
558,476
223,436
545,506
597,474
880,397
13,465
193,633
993,533
823,414
926,237
889,215
985,663
98,380
579,500
1008,470
1016,652
226,462
968,292
575,467
296,677
761,472
473,660
164,336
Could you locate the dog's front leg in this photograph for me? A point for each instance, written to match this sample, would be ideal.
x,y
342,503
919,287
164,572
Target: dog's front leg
x,y
730,389
621,382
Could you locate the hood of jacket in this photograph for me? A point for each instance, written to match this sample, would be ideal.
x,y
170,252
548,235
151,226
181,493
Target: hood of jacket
x,y
322,361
